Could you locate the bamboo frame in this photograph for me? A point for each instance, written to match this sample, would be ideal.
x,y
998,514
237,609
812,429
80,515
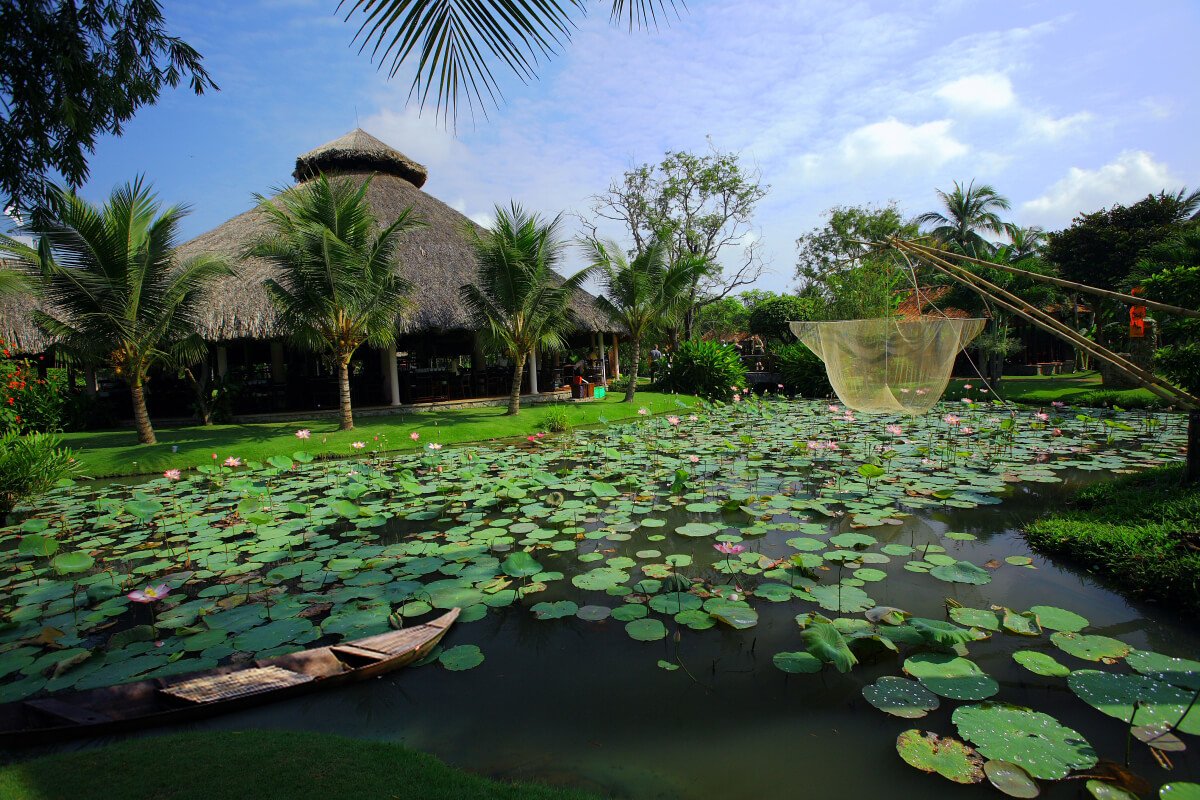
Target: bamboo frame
x,y
1044,321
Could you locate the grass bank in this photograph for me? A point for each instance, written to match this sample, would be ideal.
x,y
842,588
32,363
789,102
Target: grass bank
x,y
264,765
1141,532
1075,389
116,453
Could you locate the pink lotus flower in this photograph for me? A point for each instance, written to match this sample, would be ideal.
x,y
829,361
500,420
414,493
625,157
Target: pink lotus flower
x,y
832,445
737,398
815,446
304,433
643,412
730,549
1057,403
693,418
233,462
172,475
214,455
966,400
983,390
780,386
967,430
358,445
694,459
1058,431
966,386
414,436
540,434
894,430
1042,415
834,409
673,420
950,419
922,391
149,594
435,446
904,391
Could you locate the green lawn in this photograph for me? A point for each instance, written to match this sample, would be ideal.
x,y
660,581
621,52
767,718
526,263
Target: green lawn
x,y
1076,389
264,765
116,452
1139,531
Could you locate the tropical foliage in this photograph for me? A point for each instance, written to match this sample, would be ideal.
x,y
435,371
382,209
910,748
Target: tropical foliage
x,y
519,302
803,372
456,43
968,211
30,465
708,369
338,283
114,294
644,294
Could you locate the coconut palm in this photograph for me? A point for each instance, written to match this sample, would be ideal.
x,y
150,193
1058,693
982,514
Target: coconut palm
x,y
112,291
643,294
1025,242
456,42
337,283
519,301
969,209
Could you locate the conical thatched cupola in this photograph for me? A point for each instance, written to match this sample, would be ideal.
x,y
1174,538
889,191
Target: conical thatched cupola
x,y
435,257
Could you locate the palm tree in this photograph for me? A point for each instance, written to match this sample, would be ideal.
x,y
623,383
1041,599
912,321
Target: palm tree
x,y
1025,242
456,42
337,284
520,302
968,210
643,294
112,290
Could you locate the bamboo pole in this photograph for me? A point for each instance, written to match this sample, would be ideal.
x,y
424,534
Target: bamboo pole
x,y
1124,298
1039,318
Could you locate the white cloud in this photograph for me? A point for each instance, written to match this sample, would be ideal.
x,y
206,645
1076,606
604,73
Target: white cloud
x,y
893,144
979,94
1045,128
1130,177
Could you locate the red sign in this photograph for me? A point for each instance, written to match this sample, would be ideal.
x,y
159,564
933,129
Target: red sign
x,y
1137,319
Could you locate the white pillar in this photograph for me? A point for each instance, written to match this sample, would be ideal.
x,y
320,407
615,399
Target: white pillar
x,y
278,373
533,371
222,361
391,372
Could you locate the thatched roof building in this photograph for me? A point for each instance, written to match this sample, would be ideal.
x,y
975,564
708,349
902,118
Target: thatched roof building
x,y
435,257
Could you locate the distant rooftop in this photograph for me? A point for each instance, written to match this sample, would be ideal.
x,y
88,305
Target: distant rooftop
x,y
358,151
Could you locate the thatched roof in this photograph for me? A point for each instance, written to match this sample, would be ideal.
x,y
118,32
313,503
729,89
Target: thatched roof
x,y
435,257
358,151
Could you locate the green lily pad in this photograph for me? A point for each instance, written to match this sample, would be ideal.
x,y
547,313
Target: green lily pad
x,y
520,565
1175,671
1041,663
1059,619
630,612
975,618
697,529
951,676
900,697
594,613
1180,790
940,632
69,563
843,599
947,757
826,643
1012,779
738,617
646,630
961,572
1090,647
462,657
555,610
1024,624
1116,695
1037,742
797,662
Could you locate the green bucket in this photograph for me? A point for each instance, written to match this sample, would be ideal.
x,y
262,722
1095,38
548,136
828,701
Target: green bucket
x,y
600,392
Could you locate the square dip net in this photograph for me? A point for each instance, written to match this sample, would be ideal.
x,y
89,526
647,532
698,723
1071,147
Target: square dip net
x,y
893,365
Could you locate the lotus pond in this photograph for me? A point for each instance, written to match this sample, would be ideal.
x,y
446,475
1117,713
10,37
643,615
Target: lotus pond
x,y
772,599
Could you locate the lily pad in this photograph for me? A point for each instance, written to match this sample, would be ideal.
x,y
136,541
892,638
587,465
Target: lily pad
x,y
462,657
1024,624
555,610
1037,742
1012,779
947,757
826,643
697,529
951,676
1116,695
1175,671
975,618
1090,647
797,662
961,572
1041,663
1059,619
520,565
646,630
900,697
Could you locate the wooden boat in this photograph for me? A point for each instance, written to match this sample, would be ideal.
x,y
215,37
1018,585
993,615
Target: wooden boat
x,y
180,698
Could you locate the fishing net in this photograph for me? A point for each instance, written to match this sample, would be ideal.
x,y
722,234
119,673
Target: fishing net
x,y
890,365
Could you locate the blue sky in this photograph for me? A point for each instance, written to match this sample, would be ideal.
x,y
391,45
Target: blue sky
x,y
1065,107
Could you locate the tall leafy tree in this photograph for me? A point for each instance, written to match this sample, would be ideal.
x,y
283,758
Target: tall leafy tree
x,y
456,43
1100,249
112,290
644,294
71,70
968,210
702,206
519,302
337,283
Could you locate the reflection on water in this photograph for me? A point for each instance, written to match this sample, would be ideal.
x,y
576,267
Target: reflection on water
x,y
582,704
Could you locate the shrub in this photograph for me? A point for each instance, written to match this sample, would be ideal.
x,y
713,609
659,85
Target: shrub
x,y
803,372
30,403
557,419
707,369
770,318
30,465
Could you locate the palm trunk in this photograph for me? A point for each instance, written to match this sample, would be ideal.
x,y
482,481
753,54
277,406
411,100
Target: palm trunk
x,y
1191,471
200,389
141,417
347,423
514,395
633,370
